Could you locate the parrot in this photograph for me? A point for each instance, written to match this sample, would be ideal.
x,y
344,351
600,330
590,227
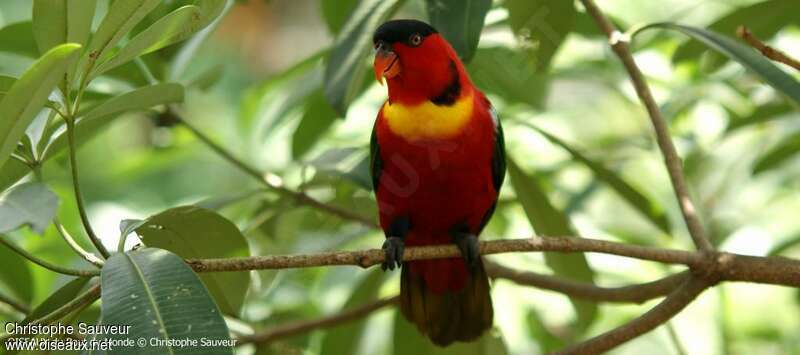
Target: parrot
x,y
437,162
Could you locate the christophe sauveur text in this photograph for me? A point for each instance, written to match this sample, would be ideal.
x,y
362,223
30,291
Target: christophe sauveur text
x,y
66,329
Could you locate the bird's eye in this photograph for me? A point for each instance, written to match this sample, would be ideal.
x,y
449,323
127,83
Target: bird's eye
x,y
415,39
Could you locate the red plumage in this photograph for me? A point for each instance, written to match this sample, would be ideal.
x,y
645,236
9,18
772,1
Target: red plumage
x,y
438,162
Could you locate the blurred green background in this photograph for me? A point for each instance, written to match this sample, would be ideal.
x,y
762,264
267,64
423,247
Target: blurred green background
x,y
255,85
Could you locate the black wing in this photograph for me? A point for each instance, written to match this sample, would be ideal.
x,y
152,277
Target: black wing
x,y
498,167
375,162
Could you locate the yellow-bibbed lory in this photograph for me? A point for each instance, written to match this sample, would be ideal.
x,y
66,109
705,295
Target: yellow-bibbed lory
x,y
437,163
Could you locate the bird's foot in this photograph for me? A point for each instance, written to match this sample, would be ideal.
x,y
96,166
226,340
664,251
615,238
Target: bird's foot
x,y
470,248
393,249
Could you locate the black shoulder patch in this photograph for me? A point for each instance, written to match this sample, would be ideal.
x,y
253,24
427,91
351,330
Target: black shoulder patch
x,y
451,92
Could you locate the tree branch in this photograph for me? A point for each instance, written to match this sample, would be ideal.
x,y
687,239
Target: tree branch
x,y
299,327
80,302
251,171
46,264
713,265
661,313
766,50
638,293
671,158
16,305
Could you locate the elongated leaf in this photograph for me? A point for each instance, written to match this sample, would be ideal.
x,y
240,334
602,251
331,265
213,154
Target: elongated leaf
x,y
460,22
160,297
650,209
59,298
140,99
62,21
509,74
17,38
761,114
319,116
544,23
28,95
548,221
783,151
346,68
787,244
194,232
746,56
336,12
30,204
5,83
763,18
101,116
172,28
120,19
408,340
344,339
545,339
11,172
15,275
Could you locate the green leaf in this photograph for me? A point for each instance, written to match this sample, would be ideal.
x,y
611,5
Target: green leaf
x,y
547,341
548,221
30,204
195,233
783,151
15,275
172,28
62,21
762,18
18,39
748,57
407,340
346,69
28,95
100,116
460,22
317,119
650,209
159,296
11,172
762,113
59,298
508,74
543,23
344,339
336,12
122,16
785,245
140,99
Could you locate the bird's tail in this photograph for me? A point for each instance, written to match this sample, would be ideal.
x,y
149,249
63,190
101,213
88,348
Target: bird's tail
x,y
445,301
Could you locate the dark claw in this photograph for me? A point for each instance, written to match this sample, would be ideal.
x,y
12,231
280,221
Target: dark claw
x,y
393,249
469,247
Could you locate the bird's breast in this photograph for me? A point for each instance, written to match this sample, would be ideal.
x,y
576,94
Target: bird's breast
x,y
426,121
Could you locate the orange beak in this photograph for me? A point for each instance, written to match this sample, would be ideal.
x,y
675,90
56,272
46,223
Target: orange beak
x,y
387,64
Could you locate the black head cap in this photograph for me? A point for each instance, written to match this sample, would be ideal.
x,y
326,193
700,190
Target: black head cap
x,y
401,30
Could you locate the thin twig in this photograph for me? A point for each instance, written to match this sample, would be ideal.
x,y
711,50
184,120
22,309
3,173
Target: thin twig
x,y
714,265
671,158
16,305
638,293
299,327
765,49
73,162
75,246
46,264
664,311
80,302
298,196
676,341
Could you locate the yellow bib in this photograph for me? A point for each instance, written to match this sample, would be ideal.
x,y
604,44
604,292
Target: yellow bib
x,y
427,120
